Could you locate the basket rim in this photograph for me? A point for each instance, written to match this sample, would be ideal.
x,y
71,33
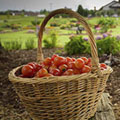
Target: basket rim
x,y
54,79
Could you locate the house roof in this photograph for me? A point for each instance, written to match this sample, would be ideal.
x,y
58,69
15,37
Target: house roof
x,y
113,4
116,5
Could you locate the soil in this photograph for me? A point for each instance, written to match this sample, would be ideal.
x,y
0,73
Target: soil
x,y
11,107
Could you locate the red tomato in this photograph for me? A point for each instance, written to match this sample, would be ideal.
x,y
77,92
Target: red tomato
x,y
85,59
68,59
86,69
41,73
47,61
68,72
89,64
28,71
52,67
48,75
76,71
59,60
38,67
89,61
73,59
63,67
55,72
33,64
71,65
79,63
103,65
102,68
53,57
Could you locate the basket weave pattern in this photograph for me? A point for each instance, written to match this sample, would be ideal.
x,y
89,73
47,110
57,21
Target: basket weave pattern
x,y
65,97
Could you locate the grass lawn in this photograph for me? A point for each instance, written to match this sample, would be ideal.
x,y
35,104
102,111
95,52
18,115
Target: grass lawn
x,y
23,36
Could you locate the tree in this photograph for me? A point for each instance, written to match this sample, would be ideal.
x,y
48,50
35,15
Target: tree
x,y
80,10
8,14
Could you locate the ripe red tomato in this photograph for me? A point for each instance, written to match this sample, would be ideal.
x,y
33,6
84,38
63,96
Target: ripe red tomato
x,y
38,67
48,75
33,64
45,66
28,71
71,65
63,67
86,69
41,73
73,59
89,61
53,57
68,59
52,67
47,61
103,65
59,60
55,72
68,72
79,63
76,71
85,59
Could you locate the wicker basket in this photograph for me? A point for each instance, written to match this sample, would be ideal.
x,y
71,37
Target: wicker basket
x,y
64,97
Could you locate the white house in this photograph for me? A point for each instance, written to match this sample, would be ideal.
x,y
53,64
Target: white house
x,y
114,5
41,15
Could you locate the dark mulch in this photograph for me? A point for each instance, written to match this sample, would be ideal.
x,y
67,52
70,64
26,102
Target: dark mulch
x,y
10,105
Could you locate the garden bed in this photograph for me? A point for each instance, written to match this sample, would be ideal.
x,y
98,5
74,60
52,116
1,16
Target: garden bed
x,y
10,105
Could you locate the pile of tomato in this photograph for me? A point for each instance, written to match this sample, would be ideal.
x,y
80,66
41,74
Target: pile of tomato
x,y
58,66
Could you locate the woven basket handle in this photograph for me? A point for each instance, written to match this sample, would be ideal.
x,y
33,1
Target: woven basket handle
x,y
95,60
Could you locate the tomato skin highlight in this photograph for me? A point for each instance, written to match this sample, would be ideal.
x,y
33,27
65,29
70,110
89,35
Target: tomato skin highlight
x,y
103,65
48,75
71,65
69,72
68,59
86,69
41,73
47,61
55,72
38,67
63,67
53,57
79,63
59,61
28,71
85,59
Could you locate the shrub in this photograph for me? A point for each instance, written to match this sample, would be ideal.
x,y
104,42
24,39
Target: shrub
x,y
30,43
51,40
35,22
76,45
106,23
108,45
12,45
64,26
54,24
105,45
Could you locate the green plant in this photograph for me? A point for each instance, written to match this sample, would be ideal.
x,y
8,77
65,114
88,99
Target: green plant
x,y
108,45
51,40
54,24
76,45
106,23
29,43
12,45
35,22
